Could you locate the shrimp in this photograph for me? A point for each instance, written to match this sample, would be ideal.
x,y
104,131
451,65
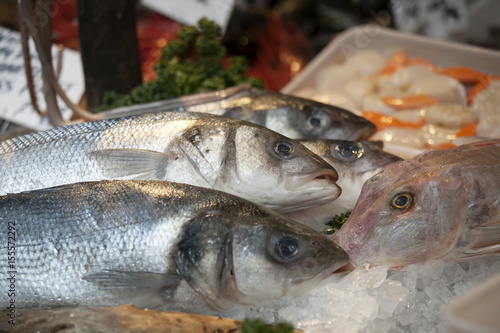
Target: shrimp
x,y
414,103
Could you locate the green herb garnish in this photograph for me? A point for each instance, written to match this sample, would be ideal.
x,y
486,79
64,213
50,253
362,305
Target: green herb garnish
x,y
259,326
191,64
337,222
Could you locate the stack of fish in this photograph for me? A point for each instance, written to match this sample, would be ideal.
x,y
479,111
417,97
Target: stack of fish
x,y
182,210
198,212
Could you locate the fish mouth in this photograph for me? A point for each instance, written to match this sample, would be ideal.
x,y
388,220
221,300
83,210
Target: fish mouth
x,y
336,261
317,189
367,129
326,177
294,206
351,241
349,267
323,180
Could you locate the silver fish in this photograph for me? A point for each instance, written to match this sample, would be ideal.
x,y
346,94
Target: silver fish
x,y
199,149
154,244
291,116
355,162
436,205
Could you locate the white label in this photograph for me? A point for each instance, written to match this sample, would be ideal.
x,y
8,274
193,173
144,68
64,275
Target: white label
x,y
15,102
188,12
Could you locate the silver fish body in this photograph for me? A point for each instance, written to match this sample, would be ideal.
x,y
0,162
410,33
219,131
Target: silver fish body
x,y
227,154
155,244
291,116
355,162
436,205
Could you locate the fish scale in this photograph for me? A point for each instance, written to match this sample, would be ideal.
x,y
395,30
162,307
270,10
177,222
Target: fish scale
x,y
48,257
115,242
221,155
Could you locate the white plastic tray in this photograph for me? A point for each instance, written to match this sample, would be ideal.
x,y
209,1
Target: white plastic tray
x,y
374,37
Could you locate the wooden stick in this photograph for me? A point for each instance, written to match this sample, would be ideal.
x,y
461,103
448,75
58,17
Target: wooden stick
x,y
120,319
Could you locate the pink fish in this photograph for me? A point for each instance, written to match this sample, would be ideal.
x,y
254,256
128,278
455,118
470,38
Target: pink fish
x,y
437,205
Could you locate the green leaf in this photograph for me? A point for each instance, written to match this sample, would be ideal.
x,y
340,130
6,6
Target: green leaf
x,y
192,63
337,222
209,28
259,326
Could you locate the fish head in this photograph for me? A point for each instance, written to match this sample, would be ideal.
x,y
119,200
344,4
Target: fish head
x,y
355,162
365,157
307,119
409,213
275,171
281,258
244,255
294,117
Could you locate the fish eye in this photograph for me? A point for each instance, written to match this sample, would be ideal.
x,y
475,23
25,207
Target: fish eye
x,y
284,149
286,248
402,201
315,121
348,151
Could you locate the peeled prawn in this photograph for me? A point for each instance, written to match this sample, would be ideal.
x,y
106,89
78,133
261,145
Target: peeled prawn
x,y
444,89
449,115
413,103
405,76
384,121
487,102
489,127
409,102
464,74
400,60
367,62
425,137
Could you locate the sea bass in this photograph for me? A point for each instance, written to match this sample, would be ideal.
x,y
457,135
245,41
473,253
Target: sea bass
x,y
293,117
355,162
437,205
199,149
154,244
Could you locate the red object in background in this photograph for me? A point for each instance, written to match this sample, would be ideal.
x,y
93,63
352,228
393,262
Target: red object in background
x,y
153,31
65,24
282,49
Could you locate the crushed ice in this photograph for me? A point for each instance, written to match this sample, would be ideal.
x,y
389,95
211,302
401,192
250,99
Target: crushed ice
x,y
377,300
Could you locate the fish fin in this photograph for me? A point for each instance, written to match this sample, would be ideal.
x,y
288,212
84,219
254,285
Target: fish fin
x,y
143,289
60,189
48,190
485,241
132,163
